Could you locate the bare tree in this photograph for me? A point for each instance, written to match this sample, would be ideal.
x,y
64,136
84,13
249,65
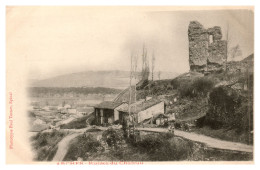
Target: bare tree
x,y
133,74
145,65
130,92
235,51
227,39
130,81
159,75
153,65
135,59
231,52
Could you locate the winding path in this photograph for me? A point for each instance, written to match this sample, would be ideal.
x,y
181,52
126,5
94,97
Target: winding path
x,y
63,147
209,141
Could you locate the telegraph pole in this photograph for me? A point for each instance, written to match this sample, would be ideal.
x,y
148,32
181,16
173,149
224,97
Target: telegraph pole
x,y
130,94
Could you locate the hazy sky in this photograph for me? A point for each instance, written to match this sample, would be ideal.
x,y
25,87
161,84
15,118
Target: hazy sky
x,y
59,40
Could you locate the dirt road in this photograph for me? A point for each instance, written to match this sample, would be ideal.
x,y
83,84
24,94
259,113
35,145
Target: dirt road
x,y
63,147
209,141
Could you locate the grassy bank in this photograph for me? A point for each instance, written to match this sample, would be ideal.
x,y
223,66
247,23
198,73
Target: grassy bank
x,y
79,123
226,134
150,147
45,144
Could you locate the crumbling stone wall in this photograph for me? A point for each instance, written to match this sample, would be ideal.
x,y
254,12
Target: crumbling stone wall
x,y
203,54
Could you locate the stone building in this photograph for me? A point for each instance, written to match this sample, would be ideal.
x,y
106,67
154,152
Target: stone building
x,y
207,50
143,109
107,112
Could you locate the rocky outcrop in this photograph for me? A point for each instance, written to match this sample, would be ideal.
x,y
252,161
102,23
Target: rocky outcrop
x,y
207,52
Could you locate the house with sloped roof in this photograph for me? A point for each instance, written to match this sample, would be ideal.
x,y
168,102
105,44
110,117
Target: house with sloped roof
x,y
110,112
143,110
107,112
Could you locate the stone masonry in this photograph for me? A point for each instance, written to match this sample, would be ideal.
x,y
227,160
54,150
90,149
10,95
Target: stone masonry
x,y
207,52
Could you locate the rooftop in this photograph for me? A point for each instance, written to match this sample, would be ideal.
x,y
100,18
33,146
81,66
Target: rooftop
x,y
108,105
140,105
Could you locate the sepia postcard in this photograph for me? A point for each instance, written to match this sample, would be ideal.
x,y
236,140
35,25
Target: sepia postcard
x,y
129,85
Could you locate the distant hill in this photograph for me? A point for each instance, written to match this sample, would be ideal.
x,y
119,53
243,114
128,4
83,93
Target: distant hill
x,y
111,79
69,91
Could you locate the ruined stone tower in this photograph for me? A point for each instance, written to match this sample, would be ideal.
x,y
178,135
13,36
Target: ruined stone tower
x,y
207,52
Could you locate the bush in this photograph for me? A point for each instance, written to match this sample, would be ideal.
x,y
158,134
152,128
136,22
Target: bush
x,y
202,85
142,84
157,89
199,87
45,144
83,147
91,144
165,147
186,90
113,138
151,143
228,108
175,83
245,113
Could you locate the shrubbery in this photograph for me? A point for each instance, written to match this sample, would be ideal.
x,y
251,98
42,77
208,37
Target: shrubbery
x,y
142,84
229,109
199,87
175,83
158,147
79,123
83,147
165,147
113,138
45,144
222,107
202,85
186,90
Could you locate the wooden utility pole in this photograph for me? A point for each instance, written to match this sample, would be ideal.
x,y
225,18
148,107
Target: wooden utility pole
x,y
153,65
130,94
133,74
135,77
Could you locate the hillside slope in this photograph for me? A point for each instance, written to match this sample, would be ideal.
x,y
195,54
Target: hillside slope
x,y
223,99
